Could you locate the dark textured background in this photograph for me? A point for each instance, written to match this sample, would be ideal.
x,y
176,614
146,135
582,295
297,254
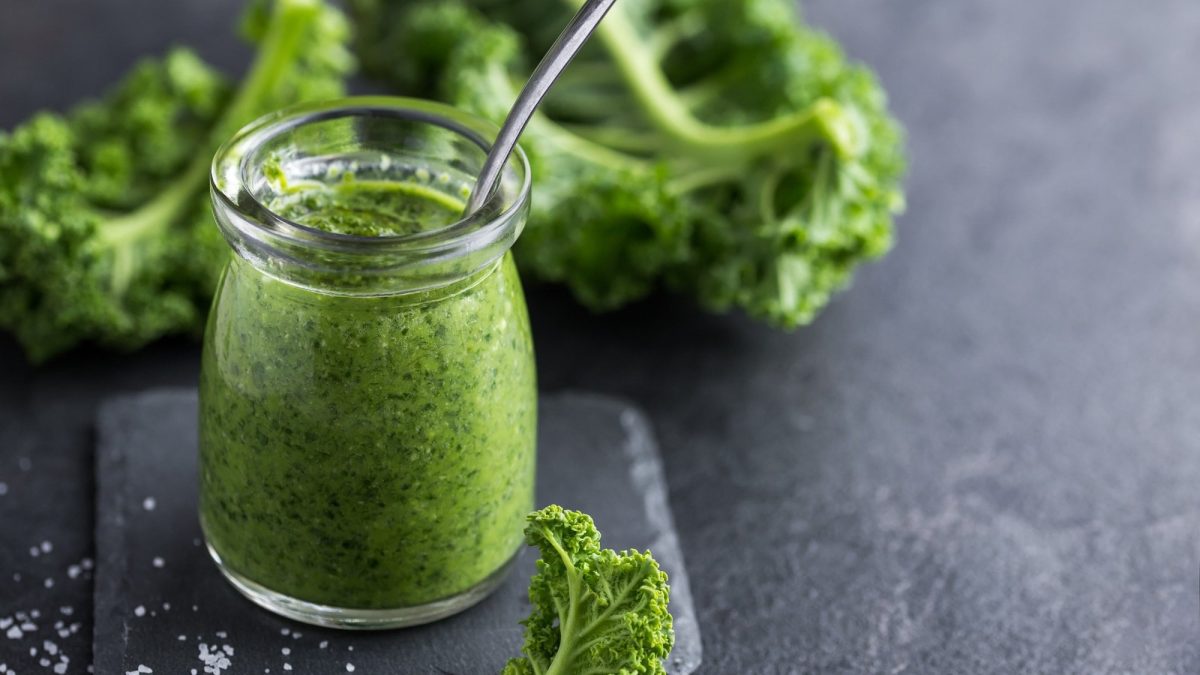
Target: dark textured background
x,y
984,458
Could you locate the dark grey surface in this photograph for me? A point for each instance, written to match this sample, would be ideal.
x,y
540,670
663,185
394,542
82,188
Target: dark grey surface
x,y
984,458
596,454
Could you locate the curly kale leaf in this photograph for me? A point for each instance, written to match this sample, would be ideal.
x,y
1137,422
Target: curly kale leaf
x,y
106,234
594,610
719,148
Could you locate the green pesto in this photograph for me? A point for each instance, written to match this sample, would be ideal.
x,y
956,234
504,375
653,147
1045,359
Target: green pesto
x,y
380,208
367,452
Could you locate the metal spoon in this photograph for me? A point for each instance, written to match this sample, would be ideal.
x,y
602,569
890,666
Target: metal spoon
x,y
568,44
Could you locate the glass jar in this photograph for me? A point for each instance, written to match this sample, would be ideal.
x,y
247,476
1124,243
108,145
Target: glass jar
x,y
367,393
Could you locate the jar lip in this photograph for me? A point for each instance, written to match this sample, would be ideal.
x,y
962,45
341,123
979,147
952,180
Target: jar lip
x,y
475,230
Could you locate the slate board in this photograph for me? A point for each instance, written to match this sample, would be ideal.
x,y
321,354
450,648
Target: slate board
x,y
161,603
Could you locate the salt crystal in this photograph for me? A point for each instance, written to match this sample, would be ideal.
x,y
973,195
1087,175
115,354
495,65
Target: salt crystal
x,y
139,611
324,644
3,491
86,563
287,666
60,667
284,631
214,661
25,464
166,606
149,503
222,634
350,667
285,651
182,638
14,633
158,562
34,551
49,583
50,647
5,623
67,611
47,547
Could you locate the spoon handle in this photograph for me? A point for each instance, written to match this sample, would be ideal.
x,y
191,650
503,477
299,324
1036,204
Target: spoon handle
x,y
558,58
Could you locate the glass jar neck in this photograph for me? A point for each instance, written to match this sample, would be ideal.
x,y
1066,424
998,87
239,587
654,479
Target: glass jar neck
x,y
334,149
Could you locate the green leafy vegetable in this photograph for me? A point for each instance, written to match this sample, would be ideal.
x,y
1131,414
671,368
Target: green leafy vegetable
x,y
719,148
595,611
106,233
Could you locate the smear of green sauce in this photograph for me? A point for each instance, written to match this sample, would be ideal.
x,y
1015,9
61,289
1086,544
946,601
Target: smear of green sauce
x,y
367,452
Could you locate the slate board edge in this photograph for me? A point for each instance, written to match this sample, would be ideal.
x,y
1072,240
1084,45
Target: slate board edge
x,y
641,448
110,532
649,476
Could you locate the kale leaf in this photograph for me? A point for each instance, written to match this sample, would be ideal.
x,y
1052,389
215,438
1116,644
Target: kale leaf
x,y
718,148
106,233
594,610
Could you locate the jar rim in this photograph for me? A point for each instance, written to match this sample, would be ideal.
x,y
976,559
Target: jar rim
x,y
473,231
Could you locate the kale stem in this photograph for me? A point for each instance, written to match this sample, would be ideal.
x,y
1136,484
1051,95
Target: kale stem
x,y
277,51
704,176
618,138
824,120
566,625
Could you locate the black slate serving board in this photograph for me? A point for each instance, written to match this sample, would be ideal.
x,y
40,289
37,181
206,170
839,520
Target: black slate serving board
x,y
161,606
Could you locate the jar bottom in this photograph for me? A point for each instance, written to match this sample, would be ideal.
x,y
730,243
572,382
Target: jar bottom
x,y
361,619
